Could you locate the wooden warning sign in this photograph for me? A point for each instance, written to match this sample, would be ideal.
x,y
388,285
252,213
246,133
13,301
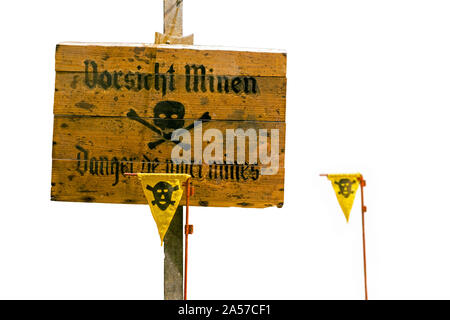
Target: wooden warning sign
x,y
118,109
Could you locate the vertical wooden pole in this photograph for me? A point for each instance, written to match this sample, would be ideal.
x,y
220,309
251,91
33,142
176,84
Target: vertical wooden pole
x,y
173,241
363,211
173,258
173,18
173,25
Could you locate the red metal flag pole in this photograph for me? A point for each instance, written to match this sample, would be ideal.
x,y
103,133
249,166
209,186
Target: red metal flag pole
x,y
363,211
188,230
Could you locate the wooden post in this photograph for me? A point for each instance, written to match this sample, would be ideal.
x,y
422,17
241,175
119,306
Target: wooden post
x,y
173,258
173,253
173,25
173,242
173,18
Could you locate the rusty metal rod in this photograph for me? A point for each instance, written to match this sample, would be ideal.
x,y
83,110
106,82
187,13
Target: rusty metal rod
x,y
186,231
363,211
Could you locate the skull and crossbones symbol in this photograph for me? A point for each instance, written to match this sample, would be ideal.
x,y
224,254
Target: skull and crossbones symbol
x,y
168,117
162,193
345,187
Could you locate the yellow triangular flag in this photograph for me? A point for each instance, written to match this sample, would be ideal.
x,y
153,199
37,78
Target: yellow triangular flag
x,y
345,186
163,193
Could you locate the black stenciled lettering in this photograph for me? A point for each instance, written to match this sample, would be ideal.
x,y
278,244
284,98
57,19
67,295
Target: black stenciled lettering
x,y
254,85
188,78
157,77
93,166
191,171
202,78
145,161
163,86
130,81
255,173
91,83
226,172
243,172
147,81
223,84
221,171
198,78
233,171
139,81
171,71
155,164
236,84
115,170
105,80
168,165
211,83
200,172
117,75
103,166
81,169
124,166
149,165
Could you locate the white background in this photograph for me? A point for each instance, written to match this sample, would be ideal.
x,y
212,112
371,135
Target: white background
x,y
368,91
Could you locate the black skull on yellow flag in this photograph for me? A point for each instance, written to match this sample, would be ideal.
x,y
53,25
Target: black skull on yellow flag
x,y
345,186
163,193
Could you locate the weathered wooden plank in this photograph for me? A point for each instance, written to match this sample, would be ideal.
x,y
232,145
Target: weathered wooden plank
x,y
173,258
216,186
116,106
265,101
223,61
78,137
173,17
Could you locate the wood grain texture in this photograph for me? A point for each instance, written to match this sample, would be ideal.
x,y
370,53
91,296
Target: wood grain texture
x,y
168,39
108,102
173,258
211,189
173,25
73,97
70,57
173,17
121,137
